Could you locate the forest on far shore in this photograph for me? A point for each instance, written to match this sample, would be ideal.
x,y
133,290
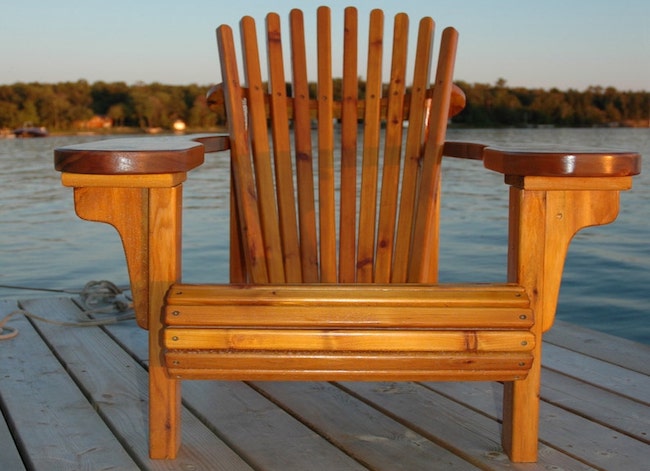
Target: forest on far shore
x,y
76,106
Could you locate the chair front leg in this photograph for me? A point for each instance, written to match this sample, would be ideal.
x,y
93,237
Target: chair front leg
x,y
164,270
149,223
542,224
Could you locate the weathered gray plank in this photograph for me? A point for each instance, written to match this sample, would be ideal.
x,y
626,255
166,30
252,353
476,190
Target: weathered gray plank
x,y
599,446
376,440
474,436
9,454
268,437
117,386
619,351
598,405
595,411
56,426
598,372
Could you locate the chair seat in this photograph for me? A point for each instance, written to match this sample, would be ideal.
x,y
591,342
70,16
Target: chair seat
x,y
351,332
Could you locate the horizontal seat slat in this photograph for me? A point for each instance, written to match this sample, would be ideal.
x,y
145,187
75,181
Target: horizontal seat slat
x,y
341,361
348,340
349,316
328,375
494,306
398,295
338,366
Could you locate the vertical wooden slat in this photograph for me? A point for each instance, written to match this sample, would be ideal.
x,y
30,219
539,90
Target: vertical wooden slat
x,y
240,159
282,152
349,132
392,152
413,151
303,150
238,269
371,134
424,265
326,148
257,127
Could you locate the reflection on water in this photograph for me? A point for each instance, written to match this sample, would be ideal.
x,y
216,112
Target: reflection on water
x,y
607,275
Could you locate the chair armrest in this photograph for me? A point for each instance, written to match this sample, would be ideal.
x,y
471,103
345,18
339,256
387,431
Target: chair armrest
x,y
553,162
550,162
140,155
463,150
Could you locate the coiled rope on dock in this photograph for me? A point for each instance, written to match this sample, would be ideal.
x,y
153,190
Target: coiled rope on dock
x,y
97,297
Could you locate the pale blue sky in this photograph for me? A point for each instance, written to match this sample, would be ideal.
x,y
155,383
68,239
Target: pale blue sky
x,y
546,43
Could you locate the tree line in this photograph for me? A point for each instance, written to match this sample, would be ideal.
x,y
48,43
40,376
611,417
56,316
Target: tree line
x,y
499,105
70,106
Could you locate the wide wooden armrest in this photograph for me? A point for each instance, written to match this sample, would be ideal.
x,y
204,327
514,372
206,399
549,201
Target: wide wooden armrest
x,y
464,150
549,162
137,156
566,162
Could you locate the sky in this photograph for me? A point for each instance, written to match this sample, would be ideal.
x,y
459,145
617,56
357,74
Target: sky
x,y
564,44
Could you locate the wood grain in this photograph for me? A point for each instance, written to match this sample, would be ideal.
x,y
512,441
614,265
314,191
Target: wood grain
x,y
559,162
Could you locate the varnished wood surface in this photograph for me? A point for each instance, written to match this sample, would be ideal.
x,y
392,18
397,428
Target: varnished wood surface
x,y
74,398
138,155
358,234
557,161
458,101
144,155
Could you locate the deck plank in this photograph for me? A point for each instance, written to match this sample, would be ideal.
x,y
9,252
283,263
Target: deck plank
x,y
616,350
473,435
604,407
376,440
600,373
9,453
117,386
91,385
268,437
596,445
53,422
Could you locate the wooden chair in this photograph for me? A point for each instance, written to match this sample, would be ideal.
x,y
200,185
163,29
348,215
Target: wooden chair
x,y
333,260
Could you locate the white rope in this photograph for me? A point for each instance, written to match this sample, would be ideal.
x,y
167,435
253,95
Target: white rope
x,y
93,295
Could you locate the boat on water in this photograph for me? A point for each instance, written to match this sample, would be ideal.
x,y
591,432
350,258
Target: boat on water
x,y
28,130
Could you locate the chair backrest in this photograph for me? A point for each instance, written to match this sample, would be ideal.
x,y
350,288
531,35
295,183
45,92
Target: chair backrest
x,y
336,187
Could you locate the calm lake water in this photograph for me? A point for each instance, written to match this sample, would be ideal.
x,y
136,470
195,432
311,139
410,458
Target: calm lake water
x,y
606,286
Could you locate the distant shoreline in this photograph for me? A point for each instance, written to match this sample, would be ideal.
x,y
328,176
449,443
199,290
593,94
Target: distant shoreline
x,y
100,107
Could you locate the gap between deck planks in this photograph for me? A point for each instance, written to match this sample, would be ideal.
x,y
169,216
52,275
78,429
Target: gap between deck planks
x,y
586,420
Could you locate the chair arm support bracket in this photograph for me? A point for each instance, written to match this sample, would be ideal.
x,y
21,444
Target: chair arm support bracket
x,y
148,221
542,225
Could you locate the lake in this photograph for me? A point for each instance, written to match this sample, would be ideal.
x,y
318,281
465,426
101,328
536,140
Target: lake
x,y
606,285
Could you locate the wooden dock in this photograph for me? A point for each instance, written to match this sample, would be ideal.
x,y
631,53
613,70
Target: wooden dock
x,y
76,399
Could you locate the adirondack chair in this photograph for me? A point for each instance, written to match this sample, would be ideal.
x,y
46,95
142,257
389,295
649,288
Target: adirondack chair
x,y
334,254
